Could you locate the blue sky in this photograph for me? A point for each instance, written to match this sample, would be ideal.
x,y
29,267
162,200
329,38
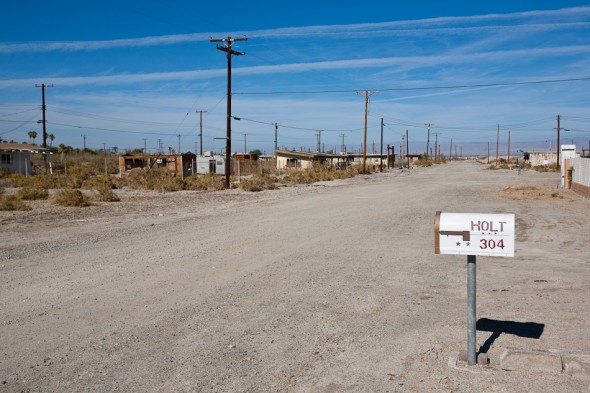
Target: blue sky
x,y
135,73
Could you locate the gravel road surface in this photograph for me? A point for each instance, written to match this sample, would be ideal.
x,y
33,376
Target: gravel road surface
x,y
332,287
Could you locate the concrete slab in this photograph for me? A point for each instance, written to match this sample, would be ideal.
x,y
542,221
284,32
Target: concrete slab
x,y
520,360
577,365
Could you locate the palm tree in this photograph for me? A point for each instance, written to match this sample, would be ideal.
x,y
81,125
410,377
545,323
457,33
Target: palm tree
x,y
32,136
51,138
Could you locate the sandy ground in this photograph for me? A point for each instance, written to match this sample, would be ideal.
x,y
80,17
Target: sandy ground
x,y
326,288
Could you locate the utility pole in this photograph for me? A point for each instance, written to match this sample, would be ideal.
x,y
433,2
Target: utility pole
x,y
401,151
436,145
497,143
488,152
228,49
200,132
84,143
508,148
178,143
407,149
319,140
342,147
276,137
428,140
366,93
451,150
104,150
144,145
43,108
245,150
381,155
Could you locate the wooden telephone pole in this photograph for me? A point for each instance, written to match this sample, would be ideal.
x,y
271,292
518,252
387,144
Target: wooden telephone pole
x,y
366,93
227,48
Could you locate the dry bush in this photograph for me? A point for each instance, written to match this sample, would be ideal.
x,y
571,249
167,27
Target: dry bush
x,y
158,179
71,197
259,183
106,195
77,174
547,168
32,193
209,181
501,166
99,182
11,203
104,186
423,162
319,173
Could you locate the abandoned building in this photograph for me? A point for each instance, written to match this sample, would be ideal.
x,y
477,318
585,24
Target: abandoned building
x,y
16,157
182,165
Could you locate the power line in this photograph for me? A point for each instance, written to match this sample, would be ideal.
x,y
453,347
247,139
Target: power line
x,y
466,86
294,127
112,130
108,118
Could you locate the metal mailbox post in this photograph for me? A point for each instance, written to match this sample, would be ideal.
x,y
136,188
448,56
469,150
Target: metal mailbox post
x,y
473,234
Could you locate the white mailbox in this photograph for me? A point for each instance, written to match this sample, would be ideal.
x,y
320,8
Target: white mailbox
x,y
474,234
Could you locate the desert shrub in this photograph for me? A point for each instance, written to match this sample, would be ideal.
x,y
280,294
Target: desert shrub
x,y
104,186
11,203
2,174
347,173
71,197
259,183
98,182
32,193
300,177
19,180
423,162
209,181
106,195
158,179
36,182
319,173
547,168
77,174
105,192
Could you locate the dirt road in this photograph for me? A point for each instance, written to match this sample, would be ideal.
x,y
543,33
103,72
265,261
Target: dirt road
x,y
329,288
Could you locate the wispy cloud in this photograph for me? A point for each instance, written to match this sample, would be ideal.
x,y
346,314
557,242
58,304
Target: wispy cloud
x,y
570,18
400,64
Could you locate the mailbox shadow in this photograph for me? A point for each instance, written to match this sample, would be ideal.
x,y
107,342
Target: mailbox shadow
x,y
521,329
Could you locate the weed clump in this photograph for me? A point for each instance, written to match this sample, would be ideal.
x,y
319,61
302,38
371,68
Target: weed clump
x,y
157,179
547,168
319,173
71,197
104,186
206,182
12,203
106,194
259,183
32,193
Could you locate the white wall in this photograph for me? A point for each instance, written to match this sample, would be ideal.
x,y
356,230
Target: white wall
x,y
581,173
